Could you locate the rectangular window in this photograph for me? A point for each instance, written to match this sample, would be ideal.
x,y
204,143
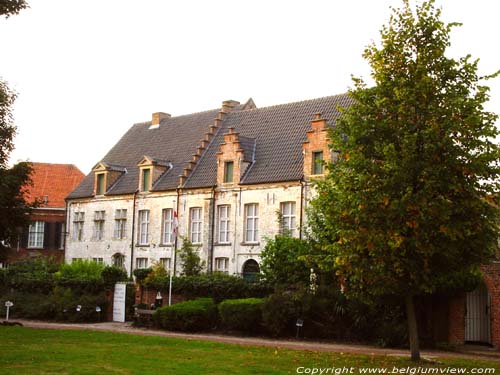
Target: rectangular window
x,y
141,263
146,179
223,232
62,236
120,224
78,221
222,264
35,234
73,260
143,232
318,162
288,218
100,184
168,226
228,171
195,227
99,225
98,260
252,222
165,262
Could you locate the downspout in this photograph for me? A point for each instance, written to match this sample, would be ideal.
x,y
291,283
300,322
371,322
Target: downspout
x,y
212,232
133,235
177,233
301,218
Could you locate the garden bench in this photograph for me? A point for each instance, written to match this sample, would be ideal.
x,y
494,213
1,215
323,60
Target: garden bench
x,y
143,317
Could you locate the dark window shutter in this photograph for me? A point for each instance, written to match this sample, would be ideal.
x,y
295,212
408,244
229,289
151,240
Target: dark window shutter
x,y
24,238
57,238
46,235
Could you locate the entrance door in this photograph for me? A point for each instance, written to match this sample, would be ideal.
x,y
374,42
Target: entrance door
x,y
477,317
250,270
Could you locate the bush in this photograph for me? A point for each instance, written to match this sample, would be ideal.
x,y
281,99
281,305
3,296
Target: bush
x,y
241,314
217,286
190,316
28,305
111,275
141,274
81,270
66,300
279,313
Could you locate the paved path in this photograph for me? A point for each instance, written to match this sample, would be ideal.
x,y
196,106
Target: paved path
x,y
475,352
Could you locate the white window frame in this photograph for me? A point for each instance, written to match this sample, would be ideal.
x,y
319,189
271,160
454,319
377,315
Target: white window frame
x,y
99,217
36,232
166,263
143,230
120,232
222,264
141,263
224,214
195,225
252,223
167,236
78,224
98,260
118,260
288,218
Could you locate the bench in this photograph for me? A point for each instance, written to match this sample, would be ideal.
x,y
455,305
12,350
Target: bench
x,y
143,317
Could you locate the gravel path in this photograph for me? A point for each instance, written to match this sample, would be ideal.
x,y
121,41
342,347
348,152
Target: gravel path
x,y
465,352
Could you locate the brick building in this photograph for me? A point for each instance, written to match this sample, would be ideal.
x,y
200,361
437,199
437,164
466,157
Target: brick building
x,y
219,178
46,233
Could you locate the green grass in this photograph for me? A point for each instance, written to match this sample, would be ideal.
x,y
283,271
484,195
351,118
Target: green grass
x,y
33,351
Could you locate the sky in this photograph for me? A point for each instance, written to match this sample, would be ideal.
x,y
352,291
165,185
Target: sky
x,y
86,70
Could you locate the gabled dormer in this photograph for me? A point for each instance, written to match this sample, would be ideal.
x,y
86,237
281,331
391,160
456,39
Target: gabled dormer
x,y
150,170
105,175
316,149
236,154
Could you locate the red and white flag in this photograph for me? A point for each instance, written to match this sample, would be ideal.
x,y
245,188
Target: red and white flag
x,y
175,227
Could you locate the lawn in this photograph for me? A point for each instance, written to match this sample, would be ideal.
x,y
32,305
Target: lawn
x,y
38,351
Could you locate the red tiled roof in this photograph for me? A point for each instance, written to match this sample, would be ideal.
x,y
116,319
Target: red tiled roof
x,y
54,182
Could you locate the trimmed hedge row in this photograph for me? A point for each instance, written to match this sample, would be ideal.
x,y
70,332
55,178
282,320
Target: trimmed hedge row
x,y
241,314
190,316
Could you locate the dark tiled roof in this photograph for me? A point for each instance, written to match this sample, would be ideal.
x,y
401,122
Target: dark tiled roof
x,y
279,132
53,181
175,140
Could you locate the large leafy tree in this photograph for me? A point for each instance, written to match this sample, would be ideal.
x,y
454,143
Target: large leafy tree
x,y
410,205
13,181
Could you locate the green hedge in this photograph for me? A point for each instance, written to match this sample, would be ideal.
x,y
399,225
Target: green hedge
x,y
241,314
190,316
217,286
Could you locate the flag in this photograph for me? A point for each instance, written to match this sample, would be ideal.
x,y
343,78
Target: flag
x,y
175,226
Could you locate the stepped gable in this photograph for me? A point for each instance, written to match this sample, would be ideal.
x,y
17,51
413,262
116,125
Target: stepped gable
x,y
278,132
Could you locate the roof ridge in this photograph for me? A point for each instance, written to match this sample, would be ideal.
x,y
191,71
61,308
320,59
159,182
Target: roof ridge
x,y
174,117
292,103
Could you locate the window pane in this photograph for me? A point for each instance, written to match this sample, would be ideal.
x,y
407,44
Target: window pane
x,y
318,162
146,173
228,171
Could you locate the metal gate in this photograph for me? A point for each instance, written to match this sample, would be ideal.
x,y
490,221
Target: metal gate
x,y
477,316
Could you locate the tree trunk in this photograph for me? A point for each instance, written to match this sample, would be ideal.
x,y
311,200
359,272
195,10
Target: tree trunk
x,y
412,328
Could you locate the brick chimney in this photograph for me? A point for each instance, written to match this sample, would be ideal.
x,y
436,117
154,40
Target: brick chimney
x,y
157,117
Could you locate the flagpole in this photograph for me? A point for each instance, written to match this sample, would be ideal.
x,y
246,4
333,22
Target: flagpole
x,y
175,224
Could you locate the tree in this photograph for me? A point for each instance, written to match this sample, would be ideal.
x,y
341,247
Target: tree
x,y
13,182
12,7
411,203
191,261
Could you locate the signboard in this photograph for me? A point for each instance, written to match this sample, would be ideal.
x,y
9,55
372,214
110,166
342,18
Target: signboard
x,y
119,302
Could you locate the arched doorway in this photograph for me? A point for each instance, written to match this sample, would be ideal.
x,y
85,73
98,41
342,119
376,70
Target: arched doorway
x,y
119,260
250,269
477,316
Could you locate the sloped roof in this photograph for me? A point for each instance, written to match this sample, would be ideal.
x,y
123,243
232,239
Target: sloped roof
x,y
53,182
279,132
175,140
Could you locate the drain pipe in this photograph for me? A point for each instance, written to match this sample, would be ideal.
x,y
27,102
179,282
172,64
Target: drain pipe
x,y
133,234
301,218
212,231
177,229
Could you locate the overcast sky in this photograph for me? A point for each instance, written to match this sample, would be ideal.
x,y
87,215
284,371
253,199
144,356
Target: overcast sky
x,y
86,71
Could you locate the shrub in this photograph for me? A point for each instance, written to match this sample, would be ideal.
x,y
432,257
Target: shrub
x,y
241,314
81,270
279,313
28,305
111,275
141,274
66,300
190,316
190,259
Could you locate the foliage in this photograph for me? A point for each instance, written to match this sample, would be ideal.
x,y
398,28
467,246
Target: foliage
x,y
66,301
82,269
14,209
190,316
280,312
12,7
190,259
241,314
411,200
158,272
217,286
111,275
287,260
34,275
141,274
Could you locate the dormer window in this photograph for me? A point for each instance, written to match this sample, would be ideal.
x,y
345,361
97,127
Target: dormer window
x,y
228,171
100,184
317,164
146,179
